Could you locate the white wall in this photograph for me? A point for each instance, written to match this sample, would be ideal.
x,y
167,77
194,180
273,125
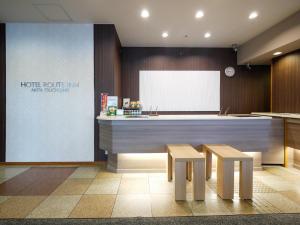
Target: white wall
x,y
42,125
180,90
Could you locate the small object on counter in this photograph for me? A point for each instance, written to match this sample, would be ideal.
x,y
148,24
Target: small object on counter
x,y
126,102
104,102
132,105
112,111
134,108
112,101
120,112
153,113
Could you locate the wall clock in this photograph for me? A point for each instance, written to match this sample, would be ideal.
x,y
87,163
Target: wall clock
x,y
229,71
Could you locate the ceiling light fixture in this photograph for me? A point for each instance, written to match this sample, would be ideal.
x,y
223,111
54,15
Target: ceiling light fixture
x,y
277,53
165,34
253,15
207,35
145,13
199,14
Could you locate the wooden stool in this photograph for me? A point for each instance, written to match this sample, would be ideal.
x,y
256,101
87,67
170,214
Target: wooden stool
x,y
183,155
225,170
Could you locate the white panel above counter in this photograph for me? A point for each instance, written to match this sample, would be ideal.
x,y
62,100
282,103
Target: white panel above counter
x,y
180,90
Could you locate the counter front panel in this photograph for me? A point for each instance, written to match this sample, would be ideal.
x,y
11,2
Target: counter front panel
x,y
150,135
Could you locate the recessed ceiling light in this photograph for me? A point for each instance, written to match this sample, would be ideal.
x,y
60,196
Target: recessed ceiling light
x,y
253,15
199,14
277,53
207,35
145,13
165,34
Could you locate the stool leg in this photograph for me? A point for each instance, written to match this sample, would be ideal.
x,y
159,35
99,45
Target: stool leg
x,y
225,178
208,157
170,167
189,171
246,179
199,179
180,182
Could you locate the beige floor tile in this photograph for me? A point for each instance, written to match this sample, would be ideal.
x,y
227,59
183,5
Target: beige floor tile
x,y
160,185
11,171
94,206
19,206
261,173
209,194
280,202
55,207
189,187
261,187
104,186
75,186
293,170
293,179
292,195
135,175
281,171
132,206
209,207
237,206
158,175
258,185
107,174
134,186
3,198
165,205
261,205
85,172
278,183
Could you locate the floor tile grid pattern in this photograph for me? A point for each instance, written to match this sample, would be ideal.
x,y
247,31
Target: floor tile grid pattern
x,y
156,198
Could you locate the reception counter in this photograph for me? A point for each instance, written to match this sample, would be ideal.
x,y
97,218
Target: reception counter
x,y
292,136
255,134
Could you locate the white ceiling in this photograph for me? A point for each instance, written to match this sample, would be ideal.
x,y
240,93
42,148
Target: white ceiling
x,y
227,20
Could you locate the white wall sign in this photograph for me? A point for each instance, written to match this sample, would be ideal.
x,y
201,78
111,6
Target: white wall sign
x,y
50,92
180,90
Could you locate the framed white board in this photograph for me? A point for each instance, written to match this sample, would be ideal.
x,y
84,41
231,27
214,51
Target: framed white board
x,y
180,90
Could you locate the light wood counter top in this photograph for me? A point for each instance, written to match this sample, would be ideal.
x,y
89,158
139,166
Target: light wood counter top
x,y
279,115
180,117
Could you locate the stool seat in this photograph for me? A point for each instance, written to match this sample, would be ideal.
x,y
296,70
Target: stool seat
x,y
183,154
227,155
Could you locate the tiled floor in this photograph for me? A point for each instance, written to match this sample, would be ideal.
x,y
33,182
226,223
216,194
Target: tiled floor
x,y
93,192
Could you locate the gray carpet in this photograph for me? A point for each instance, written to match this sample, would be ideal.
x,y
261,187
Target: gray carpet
x,y
266,219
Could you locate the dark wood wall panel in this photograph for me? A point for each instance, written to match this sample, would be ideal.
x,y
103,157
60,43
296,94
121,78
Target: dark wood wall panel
x,y
286,83
293,133
247,91
107,69
2,92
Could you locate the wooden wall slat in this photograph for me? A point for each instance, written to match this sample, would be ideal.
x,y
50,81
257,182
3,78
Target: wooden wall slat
x,y
293,133
286,83
247,91
2,92
107,69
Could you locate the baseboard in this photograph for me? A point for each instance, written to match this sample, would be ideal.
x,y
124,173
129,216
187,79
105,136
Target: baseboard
x,y
52,163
